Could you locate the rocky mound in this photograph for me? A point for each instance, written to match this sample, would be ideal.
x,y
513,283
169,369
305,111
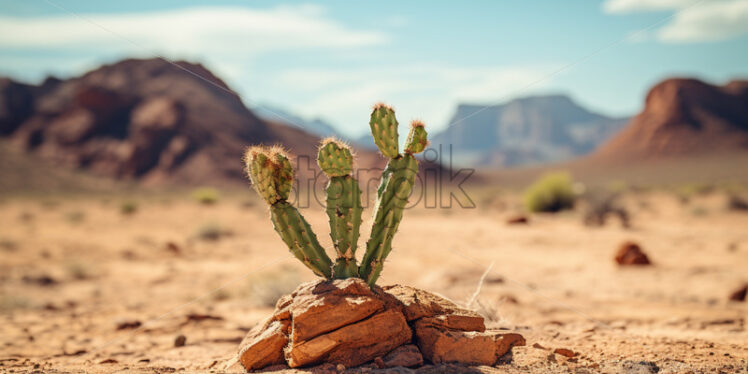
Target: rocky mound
x,y
347,323
141,119
684,117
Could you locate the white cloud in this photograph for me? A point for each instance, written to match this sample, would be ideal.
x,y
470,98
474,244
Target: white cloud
x,y
187,31
632,6
693,21
706,22
429,93
229,40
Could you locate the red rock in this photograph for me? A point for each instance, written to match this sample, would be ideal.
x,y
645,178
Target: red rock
x,y
629,253
517,220
263,345
419,303
405,356
464,322
345,322
329,309
683,117
564,352
506,341
445,346
353,344
739,294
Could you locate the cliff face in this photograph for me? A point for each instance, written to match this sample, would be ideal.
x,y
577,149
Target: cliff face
x,y
684,117
529,130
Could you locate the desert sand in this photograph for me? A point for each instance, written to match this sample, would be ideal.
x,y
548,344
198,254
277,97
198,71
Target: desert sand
x,y
85,287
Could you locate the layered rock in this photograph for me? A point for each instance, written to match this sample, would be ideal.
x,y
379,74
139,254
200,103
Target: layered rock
x,y
346,322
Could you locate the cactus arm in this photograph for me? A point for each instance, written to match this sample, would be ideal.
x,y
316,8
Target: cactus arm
x,y
343,205
298,236
396,187
271,174
344,211
417,138
384,130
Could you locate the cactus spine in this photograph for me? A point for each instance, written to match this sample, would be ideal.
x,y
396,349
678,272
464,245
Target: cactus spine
x,y
271,174
397,183
343,205
272,177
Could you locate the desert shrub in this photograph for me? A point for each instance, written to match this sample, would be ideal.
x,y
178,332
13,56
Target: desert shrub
x,y
699,211
601,205
686,192
617,186
12,302
128,207
75,216
553,192
212,231
206,195
737,202
78,270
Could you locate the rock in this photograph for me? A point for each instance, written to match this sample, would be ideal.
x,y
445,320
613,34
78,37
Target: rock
x,y
445,346
180,340
506,341
128,324
517,220
405,356
564,352
629,253
463,322
321,311
345,322
263,345
353,344
739,294
419,303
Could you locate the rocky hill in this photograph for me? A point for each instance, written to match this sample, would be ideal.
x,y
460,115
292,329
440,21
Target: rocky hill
x,y
145,120
150,122
529,130
684,117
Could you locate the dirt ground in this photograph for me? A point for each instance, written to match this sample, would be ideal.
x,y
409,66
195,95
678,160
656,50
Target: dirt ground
x,y
85,287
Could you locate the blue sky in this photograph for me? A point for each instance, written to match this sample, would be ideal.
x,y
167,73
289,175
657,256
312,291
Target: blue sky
x,y
334,59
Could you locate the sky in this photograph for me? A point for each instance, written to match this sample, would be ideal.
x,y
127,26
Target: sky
x,y
335,59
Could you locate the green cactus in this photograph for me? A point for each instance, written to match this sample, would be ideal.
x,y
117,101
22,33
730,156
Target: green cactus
x,y
272,176
384,129
343,205
397,183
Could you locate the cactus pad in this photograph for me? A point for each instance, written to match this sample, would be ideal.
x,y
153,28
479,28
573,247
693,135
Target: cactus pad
x,y
271,173
334,158
417,138
384,130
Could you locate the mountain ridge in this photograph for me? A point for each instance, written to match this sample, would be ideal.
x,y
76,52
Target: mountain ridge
x,y
527,130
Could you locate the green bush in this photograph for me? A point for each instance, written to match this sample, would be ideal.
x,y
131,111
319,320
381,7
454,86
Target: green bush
x,y
553,192
128,207
206,195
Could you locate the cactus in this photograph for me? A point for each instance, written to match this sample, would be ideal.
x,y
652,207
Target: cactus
x,y
397,183
272,176
343,205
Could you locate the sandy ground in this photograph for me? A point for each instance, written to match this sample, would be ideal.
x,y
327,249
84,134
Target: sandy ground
x,y
84,287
